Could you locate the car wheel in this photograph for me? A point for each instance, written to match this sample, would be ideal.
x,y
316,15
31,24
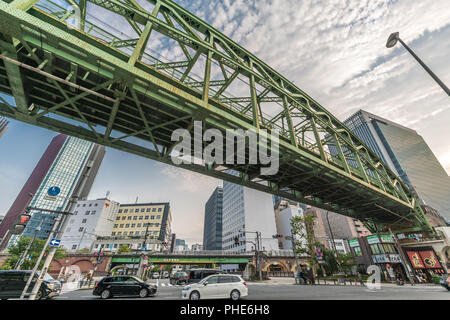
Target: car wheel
x,y
448,289
106,294
40,295
143,293
235,295
195,295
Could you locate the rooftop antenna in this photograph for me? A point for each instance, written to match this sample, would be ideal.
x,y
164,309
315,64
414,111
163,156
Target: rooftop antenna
x,y
107,194
137,198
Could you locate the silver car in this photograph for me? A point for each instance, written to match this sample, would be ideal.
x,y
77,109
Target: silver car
x,y
218,286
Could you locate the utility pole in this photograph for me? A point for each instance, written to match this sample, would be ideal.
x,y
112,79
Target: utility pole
x,y
295,257
30,244
59,230
144,243
36,266
403,258
332,242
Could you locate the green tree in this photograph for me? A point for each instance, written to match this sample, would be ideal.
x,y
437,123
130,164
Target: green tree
x,y
347,262
17,250
303,227
123,249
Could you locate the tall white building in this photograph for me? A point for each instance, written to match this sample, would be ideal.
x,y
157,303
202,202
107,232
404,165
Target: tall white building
x,y
246,211
283,216
91,219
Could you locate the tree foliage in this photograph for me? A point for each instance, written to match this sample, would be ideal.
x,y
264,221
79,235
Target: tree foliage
x,y
303,227
124,249
17,250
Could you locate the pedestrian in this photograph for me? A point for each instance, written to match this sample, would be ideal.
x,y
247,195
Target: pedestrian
x,y
360,278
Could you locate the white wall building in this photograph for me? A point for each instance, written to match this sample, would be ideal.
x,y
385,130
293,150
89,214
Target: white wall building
x,y
283,215
91,219
197,247
246,211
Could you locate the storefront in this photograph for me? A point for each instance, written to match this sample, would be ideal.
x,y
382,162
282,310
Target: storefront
x,y
385,255
425,263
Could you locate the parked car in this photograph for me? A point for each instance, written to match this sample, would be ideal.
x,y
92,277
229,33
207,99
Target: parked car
x,y
179,277
218,286
195,275
123,286
155,275
446,283
13,282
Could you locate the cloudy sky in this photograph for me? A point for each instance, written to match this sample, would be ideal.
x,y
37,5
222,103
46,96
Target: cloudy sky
x,y
333,50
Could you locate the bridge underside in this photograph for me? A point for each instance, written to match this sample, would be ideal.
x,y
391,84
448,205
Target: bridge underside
x,y
66,80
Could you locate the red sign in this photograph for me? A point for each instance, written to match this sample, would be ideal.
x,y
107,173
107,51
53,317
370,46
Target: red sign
x,y
430,260
415,259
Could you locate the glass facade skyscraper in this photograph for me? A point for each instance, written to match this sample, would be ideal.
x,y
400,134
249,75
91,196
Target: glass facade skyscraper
x,y
408,155
65,161
3,125
212,227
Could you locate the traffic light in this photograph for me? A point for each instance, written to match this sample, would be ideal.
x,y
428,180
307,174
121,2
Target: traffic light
x,y
277,236
21,223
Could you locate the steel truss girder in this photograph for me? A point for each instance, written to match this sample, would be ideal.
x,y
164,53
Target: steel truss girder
x,y
106,61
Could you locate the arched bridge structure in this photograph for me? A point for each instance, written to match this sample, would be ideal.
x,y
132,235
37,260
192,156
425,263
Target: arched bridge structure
x,y
126,74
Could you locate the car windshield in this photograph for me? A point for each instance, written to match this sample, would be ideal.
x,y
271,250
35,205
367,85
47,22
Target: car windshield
x,y
203,280
47,277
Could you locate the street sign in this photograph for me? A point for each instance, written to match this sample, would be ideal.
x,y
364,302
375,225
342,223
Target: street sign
x,y
55,242
53,191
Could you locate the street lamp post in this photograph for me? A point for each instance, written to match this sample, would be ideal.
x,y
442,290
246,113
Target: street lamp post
x,y
392,41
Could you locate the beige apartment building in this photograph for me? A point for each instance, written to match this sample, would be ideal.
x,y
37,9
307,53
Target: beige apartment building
x,y
132,221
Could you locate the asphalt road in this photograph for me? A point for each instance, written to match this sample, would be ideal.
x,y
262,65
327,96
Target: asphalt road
x,y
292,292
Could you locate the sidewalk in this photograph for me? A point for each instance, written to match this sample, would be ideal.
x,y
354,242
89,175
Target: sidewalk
x,y
291,281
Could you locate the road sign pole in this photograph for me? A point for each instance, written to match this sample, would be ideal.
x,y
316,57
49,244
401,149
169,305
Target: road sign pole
x,y
36,266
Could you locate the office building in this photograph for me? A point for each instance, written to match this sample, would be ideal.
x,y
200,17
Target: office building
x,y
330,225
173,239
3,125
284,212
91,219
212,227
180,245
133,220
246,211
197,247
64,163
408,155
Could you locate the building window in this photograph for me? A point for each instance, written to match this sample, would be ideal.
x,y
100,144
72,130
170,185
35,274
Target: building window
x,y
129,218
131,233
135,218
159,209
133,225
153,218
96,205
115,226
93,212
139,225
127,226
74,247
141,218
84,221
120,210
113,233
121,225
146,217
136,210
119,233
154,210
80,230
87,213
125,233
148,209
118,218
158,217
123,218
125,211
142,210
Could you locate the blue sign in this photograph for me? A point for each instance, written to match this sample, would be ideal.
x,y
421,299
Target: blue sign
x,y
55,242
54,191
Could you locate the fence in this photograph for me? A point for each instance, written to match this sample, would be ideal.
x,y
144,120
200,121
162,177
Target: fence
x,y
280,274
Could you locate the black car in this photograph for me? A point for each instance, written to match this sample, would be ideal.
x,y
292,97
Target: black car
x,y
179,278
195,275
12,283
123,286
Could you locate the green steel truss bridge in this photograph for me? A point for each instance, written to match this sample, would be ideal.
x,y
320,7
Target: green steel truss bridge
x,y
92,69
